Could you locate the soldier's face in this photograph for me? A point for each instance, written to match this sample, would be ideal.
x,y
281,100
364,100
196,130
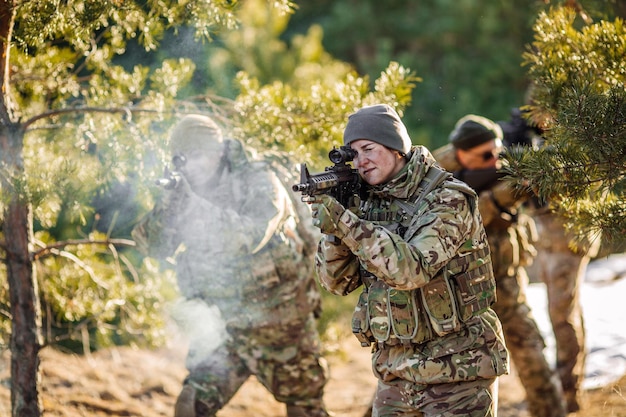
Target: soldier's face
x,y
200,167
482,156
376,163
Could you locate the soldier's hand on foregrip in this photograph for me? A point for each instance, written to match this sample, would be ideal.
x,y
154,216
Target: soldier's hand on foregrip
x,y
326,212
176,199
170,179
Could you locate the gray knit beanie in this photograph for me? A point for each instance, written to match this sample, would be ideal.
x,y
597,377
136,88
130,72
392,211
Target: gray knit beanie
x,y
379,123
471,131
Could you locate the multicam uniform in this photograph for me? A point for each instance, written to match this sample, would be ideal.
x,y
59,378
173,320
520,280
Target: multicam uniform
x,y
244,253
511,235
561,267
427,287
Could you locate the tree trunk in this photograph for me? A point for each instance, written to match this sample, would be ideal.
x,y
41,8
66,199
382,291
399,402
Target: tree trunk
x,y
17,230
25,323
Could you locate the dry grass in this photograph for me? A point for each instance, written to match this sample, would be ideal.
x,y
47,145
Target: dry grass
x,y
128,382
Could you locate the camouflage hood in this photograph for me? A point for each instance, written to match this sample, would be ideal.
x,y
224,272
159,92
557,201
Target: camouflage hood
x,y
404,185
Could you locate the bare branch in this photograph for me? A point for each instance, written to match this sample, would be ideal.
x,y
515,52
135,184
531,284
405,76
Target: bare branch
x,y
52,249
206,101
83,265
68,110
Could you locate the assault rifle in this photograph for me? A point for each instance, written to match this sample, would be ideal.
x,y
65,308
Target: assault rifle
x,y
171,179
340,181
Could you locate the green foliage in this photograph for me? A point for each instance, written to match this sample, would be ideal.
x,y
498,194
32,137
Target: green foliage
x,y
308,120
256,48
86,142
579,97
102,299
468,53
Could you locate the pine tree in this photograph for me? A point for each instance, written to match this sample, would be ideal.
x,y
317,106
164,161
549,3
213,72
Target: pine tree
x,y
578,70
67,115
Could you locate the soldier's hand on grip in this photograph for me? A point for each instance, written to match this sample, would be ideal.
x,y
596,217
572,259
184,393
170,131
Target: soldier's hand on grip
x,y
176,198
326,212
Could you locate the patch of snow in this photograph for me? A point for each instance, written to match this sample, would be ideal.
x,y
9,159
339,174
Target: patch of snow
x,y
603,298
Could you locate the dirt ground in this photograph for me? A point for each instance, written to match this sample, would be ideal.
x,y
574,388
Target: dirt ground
x,y
133,382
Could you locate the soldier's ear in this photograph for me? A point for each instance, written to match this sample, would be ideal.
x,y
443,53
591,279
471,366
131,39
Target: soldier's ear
x,y
233,150
226,150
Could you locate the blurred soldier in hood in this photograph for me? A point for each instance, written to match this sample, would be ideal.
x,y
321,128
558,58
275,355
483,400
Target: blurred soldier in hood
x,y
240,247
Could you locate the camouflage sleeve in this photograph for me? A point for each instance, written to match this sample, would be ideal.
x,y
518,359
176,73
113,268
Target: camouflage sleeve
x,y
259,218
337,267
502,197
155,234
441,225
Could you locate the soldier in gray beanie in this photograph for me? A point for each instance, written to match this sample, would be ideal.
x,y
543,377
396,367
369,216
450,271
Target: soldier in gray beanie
x,y
379,123
416,234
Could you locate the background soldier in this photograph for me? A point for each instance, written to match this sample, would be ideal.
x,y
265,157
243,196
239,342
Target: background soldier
x,y
560,263
472,155
239,249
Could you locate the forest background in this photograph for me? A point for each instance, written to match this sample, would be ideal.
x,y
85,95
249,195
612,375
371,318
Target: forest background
x,y
88,99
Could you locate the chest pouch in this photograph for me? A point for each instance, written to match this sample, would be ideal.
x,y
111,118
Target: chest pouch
x,y
404,309
360,322
378,311
392,316
440,305
474,282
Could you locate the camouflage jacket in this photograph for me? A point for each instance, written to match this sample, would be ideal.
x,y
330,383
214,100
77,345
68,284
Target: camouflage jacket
x,y
510,231
412,262
239,245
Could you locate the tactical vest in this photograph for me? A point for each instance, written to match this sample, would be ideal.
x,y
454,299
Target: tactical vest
x,y
464,288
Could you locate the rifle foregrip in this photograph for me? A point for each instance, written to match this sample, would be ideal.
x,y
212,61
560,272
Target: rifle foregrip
x,y
169,183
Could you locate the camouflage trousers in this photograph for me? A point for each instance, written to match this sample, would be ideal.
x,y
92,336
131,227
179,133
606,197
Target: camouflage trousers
x,y
563,271
397,398
525,344
565,312
285,359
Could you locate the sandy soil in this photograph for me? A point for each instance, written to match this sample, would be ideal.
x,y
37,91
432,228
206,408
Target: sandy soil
x,y
133,382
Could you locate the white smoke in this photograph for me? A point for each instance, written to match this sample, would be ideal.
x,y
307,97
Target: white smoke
x,y
203,325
